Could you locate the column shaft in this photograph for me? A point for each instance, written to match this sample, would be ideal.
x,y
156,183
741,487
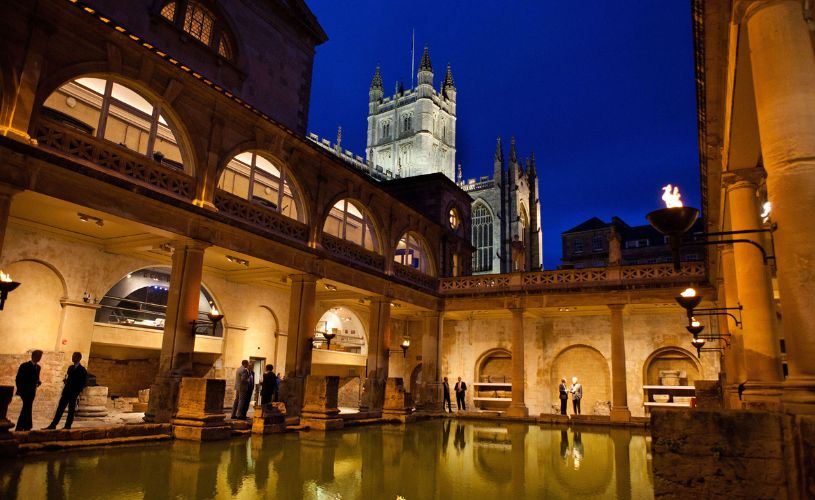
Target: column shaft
x,y
761,347
431,386
734,356
6,194
619,388
783,68
517,408
379,338
302,325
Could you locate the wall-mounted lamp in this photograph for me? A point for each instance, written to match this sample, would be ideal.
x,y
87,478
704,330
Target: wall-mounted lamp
x,y
329,335
405,345
214,317
330,287
90,218
6,286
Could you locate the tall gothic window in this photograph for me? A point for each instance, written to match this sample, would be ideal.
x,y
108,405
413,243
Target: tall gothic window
x,y
407,124
386,130
255,178
349,221
412,252
112,111
200,23
482,238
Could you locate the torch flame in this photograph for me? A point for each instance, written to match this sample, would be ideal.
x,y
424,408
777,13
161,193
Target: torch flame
x,y
689,292
5,277
695,322
671,196
213,310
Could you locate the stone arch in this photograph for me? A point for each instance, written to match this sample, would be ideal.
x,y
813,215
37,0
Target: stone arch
x,y
374,221
413,384
175,121
428,266
592,370
34,310
492,364
671,358
300,195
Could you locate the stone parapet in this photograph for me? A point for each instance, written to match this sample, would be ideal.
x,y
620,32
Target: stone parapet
x,y
320,403
200,414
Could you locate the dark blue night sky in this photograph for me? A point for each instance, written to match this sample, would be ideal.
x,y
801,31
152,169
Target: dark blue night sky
x,y
602,92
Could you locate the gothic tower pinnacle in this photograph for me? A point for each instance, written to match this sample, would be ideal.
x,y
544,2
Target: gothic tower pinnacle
x,y
425,69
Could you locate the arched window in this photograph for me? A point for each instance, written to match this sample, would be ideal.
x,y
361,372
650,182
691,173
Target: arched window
x,y
386,130
407,125
412,252
349,221
524,219
254,177
112,111
139,300
482,238
200,23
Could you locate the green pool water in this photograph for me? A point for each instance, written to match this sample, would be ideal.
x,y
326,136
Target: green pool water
x,y
443,459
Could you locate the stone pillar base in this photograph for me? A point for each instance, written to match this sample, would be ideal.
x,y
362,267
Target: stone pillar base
x,y
761,396
291,393
432,397
200,414
517,411
269,419
320,403
373,395
163,399
620,414
798,395
92,402
398,404
8,445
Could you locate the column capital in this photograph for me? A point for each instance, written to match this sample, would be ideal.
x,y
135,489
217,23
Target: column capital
x,y
303,278
743,178
189,244
616,307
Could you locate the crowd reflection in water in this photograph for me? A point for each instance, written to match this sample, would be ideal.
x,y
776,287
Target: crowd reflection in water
x,y
366,462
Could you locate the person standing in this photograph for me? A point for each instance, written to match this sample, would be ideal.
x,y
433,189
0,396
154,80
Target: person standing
x,y
250,389
241,383
268,390
74,381
27,381
577,395
564,395
449,405
461,391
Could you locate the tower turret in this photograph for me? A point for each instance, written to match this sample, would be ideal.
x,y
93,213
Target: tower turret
x,y
376,92
425,75
448,87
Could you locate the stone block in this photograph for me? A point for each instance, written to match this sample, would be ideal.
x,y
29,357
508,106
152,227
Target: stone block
x,y
373,395
8,444
189,433
320,403
268,419
144,396
200,410
92,402
708,394
398,403
138,407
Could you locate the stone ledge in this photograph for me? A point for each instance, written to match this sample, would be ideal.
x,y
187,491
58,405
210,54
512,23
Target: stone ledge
x,y
64,445
92,433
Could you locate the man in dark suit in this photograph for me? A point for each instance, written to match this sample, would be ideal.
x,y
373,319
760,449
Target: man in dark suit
x,y
27,380
461,391
75,380
268,390
250,388
447,402
564,395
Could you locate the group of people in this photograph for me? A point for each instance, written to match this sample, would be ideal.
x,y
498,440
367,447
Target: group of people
x,y
245,386
576,390
461,392
28,380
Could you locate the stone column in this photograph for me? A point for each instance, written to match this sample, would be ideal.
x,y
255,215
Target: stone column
x,y
517,408
761,348
619,388
76,328
302,325
379,332
783,78
622,461
734,356
431,386
178,342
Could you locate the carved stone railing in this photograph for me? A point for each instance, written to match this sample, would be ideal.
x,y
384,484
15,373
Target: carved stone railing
x,y
350,252
114,158
260,217
414,277
642,276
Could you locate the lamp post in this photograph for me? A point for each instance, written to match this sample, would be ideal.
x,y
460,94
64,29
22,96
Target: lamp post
x,y
6,286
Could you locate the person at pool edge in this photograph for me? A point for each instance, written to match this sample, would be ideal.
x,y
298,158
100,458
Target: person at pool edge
x,y
461,390
577,395
268,390
74,381
446,386
241,385
27,380
564,395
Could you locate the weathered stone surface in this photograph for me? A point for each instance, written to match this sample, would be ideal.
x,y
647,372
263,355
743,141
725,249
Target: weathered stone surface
x,y
398,403
708,394
268,419
92,402
373,394
144,396
200,410
320,403
8,444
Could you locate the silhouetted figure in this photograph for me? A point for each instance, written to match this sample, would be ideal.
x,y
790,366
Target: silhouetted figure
x,y
461,392
445,435
74,381
449,405
564,395
564,444
27,380
250,388
577,395
458,442
241,383
268,390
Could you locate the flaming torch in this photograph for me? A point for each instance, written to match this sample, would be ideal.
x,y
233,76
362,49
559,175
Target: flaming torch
x,y
674,220
6,286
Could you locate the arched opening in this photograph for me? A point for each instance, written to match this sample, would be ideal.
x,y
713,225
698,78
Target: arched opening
x,y
254,176
591,369
201,24
415,378
412,251
114,111
524,224
493,386
671,363
350,221
347,356
482,237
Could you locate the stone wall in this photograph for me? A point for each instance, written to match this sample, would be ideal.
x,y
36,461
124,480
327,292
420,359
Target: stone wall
x,y
349,392
124,377
53,366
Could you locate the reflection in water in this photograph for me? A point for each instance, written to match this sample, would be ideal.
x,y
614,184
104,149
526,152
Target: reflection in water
x,y
491,461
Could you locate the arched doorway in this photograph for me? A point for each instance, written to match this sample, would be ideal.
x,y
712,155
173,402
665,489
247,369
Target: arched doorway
x,y
591,369
492,389
347,355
